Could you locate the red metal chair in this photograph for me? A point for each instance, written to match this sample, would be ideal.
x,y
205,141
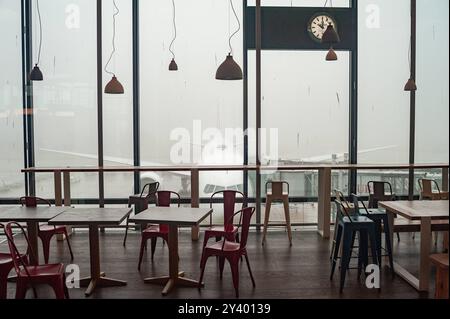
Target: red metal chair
x,y
6,265
228,230
231,251
50,274
46,232
140,202
163,199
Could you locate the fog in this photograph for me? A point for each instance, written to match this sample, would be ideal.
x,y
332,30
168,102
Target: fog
x,y
305,98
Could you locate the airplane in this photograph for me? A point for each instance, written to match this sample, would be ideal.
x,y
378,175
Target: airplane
x,y
213,181
210,182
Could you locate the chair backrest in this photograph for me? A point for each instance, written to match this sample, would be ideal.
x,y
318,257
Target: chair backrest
x,y
377,192
341,198
229,206
19,260
31,201
357,201
245,218
164,199
277,188
149,190
426,186
341,210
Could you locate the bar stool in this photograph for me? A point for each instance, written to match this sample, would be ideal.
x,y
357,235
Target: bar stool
x,y
141,201
380,218
349,207
347,227
276,194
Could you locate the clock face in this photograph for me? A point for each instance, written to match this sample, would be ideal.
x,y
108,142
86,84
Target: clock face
x,y
318,24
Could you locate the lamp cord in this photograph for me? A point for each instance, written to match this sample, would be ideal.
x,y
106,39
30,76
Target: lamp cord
x,y
326,2
174,29
40,31
238,29
113,40
409,56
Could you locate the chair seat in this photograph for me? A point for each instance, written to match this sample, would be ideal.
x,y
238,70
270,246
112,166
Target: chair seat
x,y
221,230
43,270
440,260
48,228
154,229
228,247
283,194
5,258
372,211
357,220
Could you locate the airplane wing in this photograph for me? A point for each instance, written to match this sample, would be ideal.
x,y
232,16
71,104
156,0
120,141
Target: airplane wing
x,y
112,159
341,156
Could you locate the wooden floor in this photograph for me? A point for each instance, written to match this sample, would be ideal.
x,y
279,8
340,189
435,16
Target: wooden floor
x,y
299,272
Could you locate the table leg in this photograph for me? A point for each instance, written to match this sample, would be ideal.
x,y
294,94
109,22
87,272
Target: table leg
x,y
324,205
67,201
425,243
175,278
391,221
97,277
32,230
195,201
58,188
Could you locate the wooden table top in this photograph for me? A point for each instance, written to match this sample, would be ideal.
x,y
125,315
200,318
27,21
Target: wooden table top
x,y
92,216
173,216
30,214
415,210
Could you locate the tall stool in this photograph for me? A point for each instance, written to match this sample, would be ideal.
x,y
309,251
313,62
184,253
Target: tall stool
x,y
349,207
275,194
380,218
141,201
347,227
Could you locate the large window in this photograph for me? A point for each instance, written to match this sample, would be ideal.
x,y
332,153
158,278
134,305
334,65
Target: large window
x,y
185,114
432,118
65,103
305,102
118,109
11,131
189,117
383,106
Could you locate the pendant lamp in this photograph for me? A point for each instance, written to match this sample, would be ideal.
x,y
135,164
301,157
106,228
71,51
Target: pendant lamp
x,y
113,86
331,37
229,70
36,73
173,66
410,85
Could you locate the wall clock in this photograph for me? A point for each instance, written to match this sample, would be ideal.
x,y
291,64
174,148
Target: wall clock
x,y
319,23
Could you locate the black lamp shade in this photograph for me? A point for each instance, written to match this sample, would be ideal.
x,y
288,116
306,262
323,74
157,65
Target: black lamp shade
x,y
114,87
36,74
411,85
173,65
330,35
229,70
